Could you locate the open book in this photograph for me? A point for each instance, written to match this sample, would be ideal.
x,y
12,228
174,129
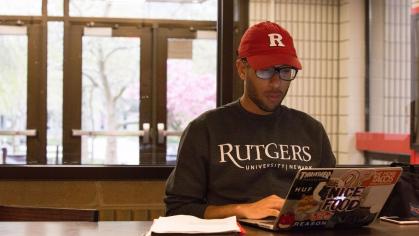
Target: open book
x,y
185,224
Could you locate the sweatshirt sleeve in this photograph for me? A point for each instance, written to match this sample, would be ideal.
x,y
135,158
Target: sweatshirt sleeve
x,y
186,186
328,158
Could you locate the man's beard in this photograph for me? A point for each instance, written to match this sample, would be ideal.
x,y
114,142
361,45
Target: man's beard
x,y
252,94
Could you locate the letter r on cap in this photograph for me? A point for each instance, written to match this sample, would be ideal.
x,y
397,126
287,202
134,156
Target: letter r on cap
x,y
275,40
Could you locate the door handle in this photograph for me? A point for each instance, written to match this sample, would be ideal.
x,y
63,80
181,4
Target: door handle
x,y
161,133
28,132
145,133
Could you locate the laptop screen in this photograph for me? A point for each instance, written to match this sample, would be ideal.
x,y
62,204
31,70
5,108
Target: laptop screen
x,y
336,197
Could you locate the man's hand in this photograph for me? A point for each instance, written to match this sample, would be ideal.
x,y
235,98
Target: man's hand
x,y
268,206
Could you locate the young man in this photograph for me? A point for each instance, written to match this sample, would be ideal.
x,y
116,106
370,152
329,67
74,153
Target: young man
x,y
240,159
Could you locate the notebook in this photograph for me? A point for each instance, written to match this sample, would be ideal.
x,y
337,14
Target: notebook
x,y
333,197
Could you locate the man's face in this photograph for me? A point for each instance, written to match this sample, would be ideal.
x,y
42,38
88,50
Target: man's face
x,y
263,96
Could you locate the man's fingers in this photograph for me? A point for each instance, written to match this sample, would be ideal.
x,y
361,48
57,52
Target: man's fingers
x,y
276,203
273,212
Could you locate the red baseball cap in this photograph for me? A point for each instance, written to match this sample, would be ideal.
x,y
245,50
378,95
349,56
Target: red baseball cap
x,y
267,44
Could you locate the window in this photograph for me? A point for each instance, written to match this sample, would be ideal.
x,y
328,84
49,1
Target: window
x,y
190,80
13,87
21,7
22,77
55,92
99,89
103,81
146,9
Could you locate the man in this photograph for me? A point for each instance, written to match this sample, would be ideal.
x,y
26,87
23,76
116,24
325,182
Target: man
x,y
240,159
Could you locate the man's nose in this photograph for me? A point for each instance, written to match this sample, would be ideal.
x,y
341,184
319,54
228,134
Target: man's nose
x,y
275,81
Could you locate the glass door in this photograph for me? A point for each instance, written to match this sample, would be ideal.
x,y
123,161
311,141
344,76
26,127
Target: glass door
x,y
189,84
21,79
134,90
110,99
13,95
113,96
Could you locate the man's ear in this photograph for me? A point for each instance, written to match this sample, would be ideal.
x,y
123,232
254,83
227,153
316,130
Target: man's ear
x,y
241,69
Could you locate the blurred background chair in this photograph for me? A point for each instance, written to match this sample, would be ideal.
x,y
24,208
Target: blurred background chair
x,y
23,213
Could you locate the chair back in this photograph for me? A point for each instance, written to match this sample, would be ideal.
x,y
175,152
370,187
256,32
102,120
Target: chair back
x,y
23,213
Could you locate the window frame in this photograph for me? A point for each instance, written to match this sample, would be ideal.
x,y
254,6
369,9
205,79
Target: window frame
x,y
231,15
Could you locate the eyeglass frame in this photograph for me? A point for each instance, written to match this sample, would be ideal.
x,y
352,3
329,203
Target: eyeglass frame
x,y
277,70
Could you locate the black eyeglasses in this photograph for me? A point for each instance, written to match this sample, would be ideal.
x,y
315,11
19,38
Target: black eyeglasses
x,y
286,73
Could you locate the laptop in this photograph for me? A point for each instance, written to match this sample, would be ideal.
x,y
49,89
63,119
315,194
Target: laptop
x,y
333,198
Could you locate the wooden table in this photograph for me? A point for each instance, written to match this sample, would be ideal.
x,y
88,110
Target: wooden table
x,y
139,228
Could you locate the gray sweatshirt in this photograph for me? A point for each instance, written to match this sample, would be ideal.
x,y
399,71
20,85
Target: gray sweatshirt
x,y
228,155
